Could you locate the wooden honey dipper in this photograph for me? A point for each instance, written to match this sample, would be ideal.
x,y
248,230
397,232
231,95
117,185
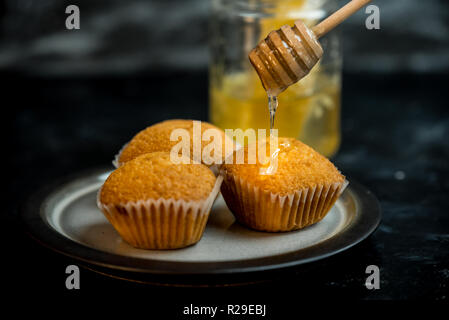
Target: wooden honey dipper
x,y
288,54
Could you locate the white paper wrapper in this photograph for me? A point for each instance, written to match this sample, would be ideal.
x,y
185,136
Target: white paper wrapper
x,y
161,223
116,162
266,211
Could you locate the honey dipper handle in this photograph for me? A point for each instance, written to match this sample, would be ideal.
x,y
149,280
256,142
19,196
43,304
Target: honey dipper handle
x,y
337,17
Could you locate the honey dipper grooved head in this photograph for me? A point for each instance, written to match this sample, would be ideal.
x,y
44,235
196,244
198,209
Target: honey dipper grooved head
x,y
285,56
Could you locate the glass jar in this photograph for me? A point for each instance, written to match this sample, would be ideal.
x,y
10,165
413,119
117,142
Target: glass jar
x,y
308,110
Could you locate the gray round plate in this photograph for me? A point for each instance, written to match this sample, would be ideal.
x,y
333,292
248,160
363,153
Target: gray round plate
x,y
68,221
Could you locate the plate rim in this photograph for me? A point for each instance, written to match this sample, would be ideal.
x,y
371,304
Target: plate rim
x,y
41,231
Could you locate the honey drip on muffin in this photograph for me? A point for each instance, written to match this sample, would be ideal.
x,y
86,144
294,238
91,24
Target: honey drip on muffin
x,y
273,164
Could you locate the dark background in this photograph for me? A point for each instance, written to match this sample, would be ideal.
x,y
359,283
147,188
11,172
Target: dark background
x,y
70,99
125,37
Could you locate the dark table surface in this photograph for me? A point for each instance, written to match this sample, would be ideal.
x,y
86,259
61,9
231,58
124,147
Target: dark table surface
x,y
395,142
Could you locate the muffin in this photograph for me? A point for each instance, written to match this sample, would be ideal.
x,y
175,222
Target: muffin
x,y
157,138
156,204
299,191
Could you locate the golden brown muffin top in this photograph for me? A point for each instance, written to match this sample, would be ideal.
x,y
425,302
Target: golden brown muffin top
x,y
299,166
154,176
157,138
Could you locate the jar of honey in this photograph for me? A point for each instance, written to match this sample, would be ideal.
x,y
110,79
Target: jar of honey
x,y
308,110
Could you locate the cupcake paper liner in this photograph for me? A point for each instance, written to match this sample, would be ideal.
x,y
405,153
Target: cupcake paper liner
x,y
265,211
116,162
161,223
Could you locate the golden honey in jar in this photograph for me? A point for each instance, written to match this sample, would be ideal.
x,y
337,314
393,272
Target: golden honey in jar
x,y
308,110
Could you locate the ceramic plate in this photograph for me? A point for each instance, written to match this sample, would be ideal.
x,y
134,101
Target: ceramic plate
x,y
68,221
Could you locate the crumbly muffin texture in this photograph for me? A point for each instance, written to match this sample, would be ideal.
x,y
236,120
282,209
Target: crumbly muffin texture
x,y
154,176
299,167
157,138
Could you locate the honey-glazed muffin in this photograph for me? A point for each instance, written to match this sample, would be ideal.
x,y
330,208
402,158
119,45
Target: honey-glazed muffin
x,y
157,138
154,203
296,193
